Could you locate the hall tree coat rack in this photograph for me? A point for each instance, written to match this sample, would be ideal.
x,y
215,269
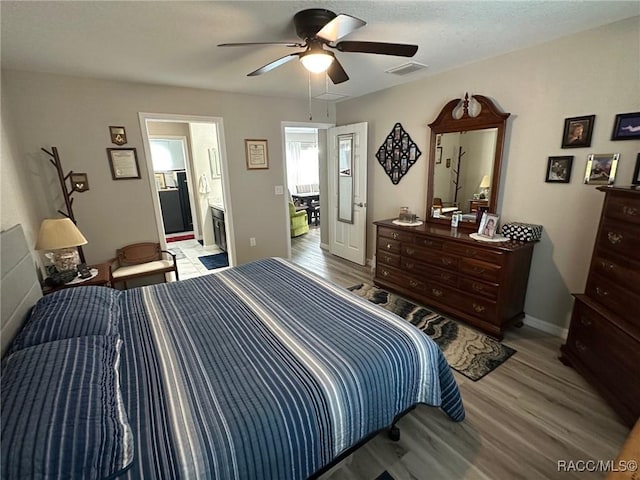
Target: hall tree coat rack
x,y
68,201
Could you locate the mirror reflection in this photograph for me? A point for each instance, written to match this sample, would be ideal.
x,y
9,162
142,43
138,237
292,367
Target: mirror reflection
x,y
463,171
345,178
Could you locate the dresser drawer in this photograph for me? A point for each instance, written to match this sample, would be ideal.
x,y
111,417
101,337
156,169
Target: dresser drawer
x,y
621,238
613,296
623,208
626,275
388,258
432,243
423,270
434,257
478,269
479,288
395,234
388,245
479,308
390,274
473,252
610,353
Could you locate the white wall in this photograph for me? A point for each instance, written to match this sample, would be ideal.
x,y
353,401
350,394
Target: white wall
x,y
74,114
595,72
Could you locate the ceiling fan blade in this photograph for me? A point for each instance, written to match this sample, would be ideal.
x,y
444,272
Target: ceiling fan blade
x,y
245,44
276,63
340,26
398,49
336,72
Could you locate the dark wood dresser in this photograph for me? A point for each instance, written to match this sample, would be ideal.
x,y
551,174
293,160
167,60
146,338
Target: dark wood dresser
x,y
482,283
604,336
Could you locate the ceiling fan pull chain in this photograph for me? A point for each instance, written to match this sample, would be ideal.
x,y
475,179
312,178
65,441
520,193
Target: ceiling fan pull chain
x,y
310,115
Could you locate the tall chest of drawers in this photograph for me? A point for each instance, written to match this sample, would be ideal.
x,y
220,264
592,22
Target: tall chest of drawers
x,y
480,282
603,344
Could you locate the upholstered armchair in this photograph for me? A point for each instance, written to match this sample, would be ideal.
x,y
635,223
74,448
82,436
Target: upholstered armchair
x,y
298,221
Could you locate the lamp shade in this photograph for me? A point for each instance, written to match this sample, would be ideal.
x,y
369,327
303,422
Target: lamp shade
x,y
58,233
486,182
316,62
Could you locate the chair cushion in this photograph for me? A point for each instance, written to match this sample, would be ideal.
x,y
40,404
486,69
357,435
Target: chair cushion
x,y
142,268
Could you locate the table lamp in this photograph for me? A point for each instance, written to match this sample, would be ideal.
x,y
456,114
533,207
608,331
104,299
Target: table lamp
x,y
484,186
61,237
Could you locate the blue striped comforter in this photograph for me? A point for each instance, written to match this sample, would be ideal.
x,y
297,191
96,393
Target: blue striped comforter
x,y
265,372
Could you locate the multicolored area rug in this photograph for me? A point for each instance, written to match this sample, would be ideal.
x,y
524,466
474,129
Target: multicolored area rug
x,y
468,351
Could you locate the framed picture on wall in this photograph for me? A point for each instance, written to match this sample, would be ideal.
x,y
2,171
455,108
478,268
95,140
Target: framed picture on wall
x,y
123,163
257,154
626,126
577,131
559,169
601,168
636,172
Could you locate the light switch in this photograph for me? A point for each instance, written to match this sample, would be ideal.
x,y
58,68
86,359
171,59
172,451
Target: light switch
x,y
279,190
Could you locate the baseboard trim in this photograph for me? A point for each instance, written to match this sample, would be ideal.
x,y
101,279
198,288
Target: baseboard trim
x,y
324,246
546,326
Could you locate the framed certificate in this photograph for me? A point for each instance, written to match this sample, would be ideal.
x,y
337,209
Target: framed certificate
x,y
123,163
257,154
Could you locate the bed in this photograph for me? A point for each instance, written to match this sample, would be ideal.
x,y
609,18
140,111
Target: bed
x,y
260,371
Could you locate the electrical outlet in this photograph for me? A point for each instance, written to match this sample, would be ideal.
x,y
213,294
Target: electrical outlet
x,y
252,242
279,190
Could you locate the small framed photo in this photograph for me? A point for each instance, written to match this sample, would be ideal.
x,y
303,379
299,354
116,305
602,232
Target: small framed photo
x,y
257,154
559,169
488,225
118,135
123,163
601,168
626,126
636,172
161,182
577,131
79,181
438,155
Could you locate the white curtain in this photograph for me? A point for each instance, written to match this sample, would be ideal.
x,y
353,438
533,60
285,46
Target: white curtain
x,y
302,164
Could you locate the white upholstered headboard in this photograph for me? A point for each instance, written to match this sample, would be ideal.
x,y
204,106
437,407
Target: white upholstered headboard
x,y
19,285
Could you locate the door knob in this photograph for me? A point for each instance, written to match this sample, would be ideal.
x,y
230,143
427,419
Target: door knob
x,y
359,204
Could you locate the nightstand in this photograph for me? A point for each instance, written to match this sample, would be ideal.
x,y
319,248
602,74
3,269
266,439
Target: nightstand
x,y
474,204
103,278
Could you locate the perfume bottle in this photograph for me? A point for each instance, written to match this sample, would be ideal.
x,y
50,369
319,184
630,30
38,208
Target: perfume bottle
x,y
455,218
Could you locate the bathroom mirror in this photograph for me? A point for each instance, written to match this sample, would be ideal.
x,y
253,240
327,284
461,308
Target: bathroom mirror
x,y
467,140
345,178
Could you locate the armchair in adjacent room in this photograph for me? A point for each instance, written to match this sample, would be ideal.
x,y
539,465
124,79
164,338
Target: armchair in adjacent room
x,y
298,221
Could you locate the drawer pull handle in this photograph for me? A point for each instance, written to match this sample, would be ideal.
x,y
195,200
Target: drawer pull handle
x,y
614,238
410,251
409,265
388,259
395,235
436,292
447,261
413,283
631,211
607,265
581,347
477,287
385,273
601,292
585,321
479,308
479,269
389,246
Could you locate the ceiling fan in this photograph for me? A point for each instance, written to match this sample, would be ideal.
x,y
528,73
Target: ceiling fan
x,y
318,28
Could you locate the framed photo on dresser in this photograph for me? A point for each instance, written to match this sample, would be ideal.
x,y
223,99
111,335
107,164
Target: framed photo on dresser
x,y
488,225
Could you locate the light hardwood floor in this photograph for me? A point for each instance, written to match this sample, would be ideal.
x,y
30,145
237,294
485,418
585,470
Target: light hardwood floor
x,y
522,418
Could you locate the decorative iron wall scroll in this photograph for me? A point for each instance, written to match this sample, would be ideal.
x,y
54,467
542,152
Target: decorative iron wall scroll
x,y
397,153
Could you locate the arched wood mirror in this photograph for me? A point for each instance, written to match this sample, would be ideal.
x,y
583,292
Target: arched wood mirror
x,y
467,140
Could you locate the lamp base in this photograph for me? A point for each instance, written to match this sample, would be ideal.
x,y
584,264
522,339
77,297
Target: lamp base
x,y
66,259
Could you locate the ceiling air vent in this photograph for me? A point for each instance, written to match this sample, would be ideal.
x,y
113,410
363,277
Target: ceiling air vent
x,y
406,68
330,96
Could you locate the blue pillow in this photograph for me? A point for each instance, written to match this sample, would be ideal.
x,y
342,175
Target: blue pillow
x,y
62,411
69,313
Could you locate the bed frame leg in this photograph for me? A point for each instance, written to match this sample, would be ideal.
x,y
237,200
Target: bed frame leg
x,y
394,433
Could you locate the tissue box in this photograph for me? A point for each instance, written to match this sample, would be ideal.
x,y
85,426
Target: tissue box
x,y
522,231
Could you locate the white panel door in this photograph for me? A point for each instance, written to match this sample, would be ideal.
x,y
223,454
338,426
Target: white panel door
x,y
348,232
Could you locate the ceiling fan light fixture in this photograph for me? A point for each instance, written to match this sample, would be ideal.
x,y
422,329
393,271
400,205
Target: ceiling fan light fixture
x,y
317,62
